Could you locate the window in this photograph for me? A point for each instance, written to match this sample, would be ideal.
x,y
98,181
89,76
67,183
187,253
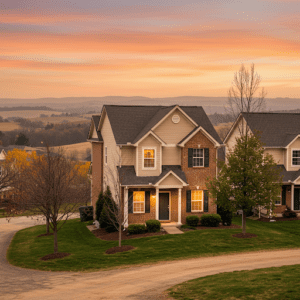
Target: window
x,y
197,200
105,155
138,202
278,200
149,158
296,158
198,157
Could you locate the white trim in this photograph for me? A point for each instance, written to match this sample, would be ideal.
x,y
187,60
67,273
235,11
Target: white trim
x,y
179,206
176,176
146,135
182,144
156,203
143,158
138,212
160,158
292,141
126,206
170,186
294,149
292,196
170,112
232,127
137,161
161,192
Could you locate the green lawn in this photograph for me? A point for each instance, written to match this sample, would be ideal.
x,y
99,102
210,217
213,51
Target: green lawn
x,y
88,252
272,283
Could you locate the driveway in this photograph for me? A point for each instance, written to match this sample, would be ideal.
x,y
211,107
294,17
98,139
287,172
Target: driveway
x,y
143,282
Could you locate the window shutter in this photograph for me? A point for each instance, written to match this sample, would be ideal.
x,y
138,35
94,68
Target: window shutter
x,y
206,157
283,195
205,201
147,202
130,202
190,157
188,201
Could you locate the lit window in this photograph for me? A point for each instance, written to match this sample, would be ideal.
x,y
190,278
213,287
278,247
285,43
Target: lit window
x,y
149,158
296,157
197,200
138,202
198,158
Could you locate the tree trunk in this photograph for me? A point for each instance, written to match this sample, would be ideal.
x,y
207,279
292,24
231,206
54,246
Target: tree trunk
x,y
244,221
47,225
120,234
55,239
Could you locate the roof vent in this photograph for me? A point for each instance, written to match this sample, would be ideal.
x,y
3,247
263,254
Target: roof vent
x,y
175,119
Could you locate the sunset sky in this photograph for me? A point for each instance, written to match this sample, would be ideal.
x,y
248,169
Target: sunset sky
x,y
76,48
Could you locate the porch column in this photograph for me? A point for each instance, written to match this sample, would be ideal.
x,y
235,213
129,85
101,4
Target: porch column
x,y
126,206
156,204
179,207
292,196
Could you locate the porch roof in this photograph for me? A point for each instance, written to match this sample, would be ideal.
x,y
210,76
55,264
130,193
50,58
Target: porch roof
x,y
288,175
128,176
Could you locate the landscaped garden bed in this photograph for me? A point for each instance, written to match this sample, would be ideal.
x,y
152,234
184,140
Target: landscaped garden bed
x,y
221,226
277,219
114,236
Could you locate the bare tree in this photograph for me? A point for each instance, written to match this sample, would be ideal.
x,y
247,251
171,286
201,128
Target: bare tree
x,y
52,186
245,95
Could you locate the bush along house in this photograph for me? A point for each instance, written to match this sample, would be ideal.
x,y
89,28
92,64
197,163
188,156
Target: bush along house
x,y
280,134
161,156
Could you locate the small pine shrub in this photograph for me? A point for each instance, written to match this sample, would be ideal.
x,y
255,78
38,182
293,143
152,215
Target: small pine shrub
x,y
211,220
136,228
153,225
288,213
99,206
192,220
86,213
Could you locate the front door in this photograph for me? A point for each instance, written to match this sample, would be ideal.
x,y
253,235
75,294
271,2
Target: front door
x,y
297,199
164,206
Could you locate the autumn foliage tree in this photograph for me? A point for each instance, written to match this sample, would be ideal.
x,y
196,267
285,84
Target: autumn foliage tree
x,y
54,186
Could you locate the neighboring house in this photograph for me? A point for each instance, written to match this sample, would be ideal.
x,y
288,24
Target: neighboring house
x,y
280,134
161,155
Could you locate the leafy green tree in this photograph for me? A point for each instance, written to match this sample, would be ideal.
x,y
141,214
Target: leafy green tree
x,y
248,178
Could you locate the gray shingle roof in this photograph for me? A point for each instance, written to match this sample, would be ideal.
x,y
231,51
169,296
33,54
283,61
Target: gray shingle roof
x,y
130,123
277,129
96,120
128,176
288,175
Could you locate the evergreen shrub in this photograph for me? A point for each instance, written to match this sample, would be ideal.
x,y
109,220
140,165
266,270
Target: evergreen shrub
x,y
211,220
192,220
153,225
136,228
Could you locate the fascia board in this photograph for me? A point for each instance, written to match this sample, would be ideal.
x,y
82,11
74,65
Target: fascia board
x,y
232,128
286,147
146,135
170,172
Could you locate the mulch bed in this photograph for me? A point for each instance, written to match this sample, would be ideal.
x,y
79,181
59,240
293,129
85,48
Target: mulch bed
x,y
114,236
123,248
244,236
55,255
278,219
45,234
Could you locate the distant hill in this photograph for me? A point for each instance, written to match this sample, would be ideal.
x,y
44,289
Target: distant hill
x,y
87,104
17,108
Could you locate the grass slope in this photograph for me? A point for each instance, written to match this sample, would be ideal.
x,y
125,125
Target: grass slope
x,y
88,252
271,283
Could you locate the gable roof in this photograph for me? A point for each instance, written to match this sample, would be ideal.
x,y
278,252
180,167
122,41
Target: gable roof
x,y
288,176
96,120
131,123
277,129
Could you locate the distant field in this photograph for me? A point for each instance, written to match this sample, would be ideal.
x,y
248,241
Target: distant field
x,y
27,113
57,120
9,126
222,129
80,149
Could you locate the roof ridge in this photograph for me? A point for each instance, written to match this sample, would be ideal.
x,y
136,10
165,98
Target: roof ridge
x,y
272,113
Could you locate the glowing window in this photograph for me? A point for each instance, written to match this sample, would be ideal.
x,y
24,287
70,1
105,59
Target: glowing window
x,y
149,158
197,200
138,202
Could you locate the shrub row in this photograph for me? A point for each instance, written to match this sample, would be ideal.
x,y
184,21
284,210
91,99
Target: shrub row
x,y
151,226
208,220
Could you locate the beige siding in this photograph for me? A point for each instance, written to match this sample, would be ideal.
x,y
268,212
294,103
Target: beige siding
x,y
128,156
149,142
171,156
235,133
294,146
171,180
278,155
113,155
94,135
172,133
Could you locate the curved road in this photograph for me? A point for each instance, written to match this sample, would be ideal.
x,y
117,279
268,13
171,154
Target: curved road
x,y
144,282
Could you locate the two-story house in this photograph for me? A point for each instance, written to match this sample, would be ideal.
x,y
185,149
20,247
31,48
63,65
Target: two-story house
x,y
161,156
280,134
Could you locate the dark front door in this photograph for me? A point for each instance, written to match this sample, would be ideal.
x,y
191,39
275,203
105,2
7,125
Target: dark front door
x,y
297,199
164,206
